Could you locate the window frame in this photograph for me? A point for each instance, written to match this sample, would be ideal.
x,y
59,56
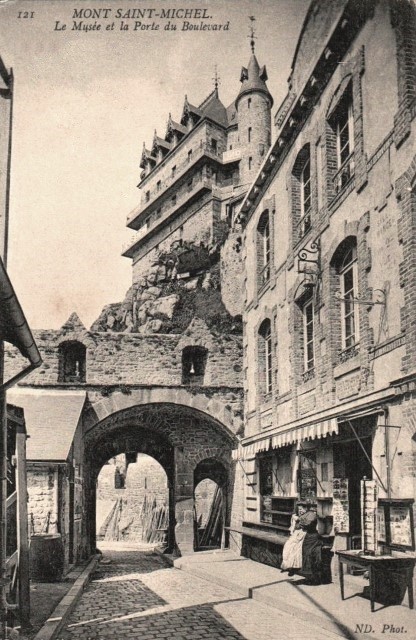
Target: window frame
x,y
305,184
265,351
308,321
346,268
264,260
341,122
302,177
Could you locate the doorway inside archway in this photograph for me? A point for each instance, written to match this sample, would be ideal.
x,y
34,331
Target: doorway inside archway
x,y
210,482
132,500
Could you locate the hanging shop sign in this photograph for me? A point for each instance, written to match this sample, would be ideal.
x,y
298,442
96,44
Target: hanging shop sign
x,y
340,506
369,494
381,525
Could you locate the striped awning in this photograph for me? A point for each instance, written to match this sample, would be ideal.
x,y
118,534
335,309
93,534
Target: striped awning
x,y
308,432
255,447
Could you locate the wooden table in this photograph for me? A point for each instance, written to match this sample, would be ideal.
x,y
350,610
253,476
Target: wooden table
x,y
376,566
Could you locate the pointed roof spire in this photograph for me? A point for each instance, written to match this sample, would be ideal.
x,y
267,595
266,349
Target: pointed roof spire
x,y
252,32
217,80
253,78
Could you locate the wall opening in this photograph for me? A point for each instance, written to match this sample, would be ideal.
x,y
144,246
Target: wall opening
x,y
194,360
72,357
132,500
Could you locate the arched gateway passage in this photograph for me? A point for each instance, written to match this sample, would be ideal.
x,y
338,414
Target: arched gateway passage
x,y
179,436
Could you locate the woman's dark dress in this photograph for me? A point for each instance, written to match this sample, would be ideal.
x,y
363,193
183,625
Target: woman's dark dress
x,y
311,551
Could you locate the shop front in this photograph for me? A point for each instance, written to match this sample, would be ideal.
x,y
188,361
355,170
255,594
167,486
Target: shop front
x,y
332,468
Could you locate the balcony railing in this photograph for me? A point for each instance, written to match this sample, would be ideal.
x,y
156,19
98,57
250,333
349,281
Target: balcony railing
x,y
181,167
348,353
344,174
203,183
308,375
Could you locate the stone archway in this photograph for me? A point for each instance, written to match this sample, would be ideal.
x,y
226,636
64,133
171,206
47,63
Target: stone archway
x,y
177,435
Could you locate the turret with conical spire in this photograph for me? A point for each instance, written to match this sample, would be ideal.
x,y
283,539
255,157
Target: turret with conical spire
x,y
254,103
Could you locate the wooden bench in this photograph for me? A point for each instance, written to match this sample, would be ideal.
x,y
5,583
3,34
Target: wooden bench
x,y
279,540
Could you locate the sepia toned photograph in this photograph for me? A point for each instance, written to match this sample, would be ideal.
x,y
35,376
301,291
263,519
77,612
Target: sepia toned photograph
x,y
207,319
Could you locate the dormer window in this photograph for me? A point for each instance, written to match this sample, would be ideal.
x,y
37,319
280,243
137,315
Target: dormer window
x,y
147,196
194,360
158,185
173,171
72,362
189,155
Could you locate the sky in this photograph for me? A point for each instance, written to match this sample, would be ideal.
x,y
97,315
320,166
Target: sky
x,y
84,103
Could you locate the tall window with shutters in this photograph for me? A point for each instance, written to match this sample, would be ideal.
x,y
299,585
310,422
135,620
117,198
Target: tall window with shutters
x,y
342,124
301,194
265,359
264,250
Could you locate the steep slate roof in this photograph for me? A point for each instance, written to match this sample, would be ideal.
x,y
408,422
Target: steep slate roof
x,y
51,421
174,126
213,108
254,79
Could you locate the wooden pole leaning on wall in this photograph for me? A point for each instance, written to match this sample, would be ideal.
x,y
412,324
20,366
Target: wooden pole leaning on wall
x,y
22,530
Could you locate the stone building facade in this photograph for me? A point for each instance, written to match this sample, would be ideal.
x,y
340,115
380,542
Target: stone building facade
x,y
161,371
330,280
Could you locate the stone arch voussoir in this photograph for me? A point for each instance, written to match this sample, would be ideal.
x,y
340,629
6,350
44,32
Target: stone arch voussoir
x,y
211,407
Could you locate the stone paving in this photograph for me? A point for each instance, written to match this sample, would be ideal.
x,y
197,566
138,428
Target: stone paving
x,y
138,595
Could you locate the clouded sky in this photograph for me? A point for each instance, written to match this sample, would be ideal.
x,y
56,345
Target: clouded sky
x,y
84,103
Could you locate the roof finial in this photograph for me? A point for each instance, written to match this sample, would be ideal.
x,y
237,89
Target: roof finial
x,y
252,35
217,80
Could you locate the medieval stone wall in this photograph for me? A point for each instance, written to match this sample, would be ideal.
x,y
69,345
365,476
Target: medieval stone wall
x,y
132,359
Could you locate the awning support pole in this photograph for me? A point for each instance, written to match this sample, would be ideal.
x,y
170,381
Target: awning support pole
x,y
278,481
366,455
387,446
245,473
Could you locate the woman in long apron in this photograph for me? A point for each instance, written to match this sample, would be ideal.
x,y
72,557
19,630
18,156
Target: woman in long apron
x,y
292,550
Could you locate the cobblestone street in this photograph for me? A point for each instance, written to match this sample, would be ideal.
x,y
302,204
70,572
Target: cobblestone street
x,y
138,596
